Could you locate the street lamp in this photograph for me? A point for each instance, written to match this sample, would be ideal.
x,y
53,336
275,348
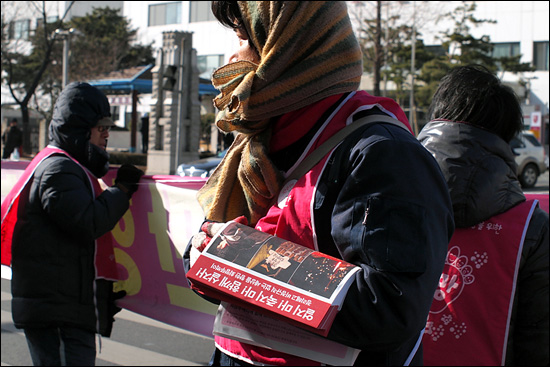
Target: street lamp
x,y
65,35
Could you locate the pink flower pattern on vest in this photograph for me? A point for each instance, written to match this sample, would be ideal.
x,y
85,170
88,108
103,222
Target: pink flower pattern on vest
x,y
470,313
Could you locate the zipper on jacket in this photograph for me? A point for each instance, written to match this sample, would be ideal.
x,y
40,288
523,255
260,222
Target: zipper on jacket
x,y
367,210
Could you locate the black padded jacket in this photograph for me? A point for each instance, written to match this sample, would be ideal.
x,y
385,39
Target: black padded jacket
x,y
480,170
401,248
53,274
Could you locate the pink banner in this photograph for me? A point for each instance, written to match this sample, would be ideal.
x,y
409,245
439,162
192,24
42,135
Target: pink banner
x,y
542,198
149,243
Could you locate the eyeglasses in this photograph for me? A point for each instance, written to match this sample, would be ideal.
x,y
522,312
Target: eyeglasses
x,y
104,128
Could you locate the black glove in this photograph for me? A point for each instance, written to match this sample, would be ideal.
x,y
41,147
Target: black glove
x,y
113,297
128,176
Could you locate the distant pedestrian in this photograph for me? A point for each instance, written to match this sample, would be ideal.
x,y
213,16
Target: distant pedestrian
x,y
12,138
145,133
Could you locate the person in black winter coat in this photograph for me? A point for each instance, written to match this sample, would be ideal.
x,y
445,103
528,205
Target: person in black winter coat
x,y
58,298
473,119
12,138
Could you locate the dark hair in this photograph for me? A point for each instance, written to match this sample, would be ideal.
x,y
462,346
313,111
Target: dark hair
x,y
474,95
227,13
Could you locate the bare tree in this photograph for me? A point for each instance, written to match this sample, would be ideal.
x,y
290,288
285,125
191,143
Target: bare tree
x,y
367,19
383,29
23,93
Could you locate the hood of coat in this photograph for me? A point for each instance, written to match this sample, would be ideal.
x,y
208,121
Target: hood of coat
x,y
479,168
79,108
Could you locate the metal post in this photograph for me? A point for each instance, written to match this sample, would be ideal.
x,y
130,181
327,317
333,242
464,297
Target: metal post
x,y
412,119
65,35
180,113
387,37
133,124
65,61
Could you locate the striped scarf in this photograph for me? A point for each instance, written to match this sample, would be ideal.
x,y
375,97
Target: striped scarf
x,y
308,51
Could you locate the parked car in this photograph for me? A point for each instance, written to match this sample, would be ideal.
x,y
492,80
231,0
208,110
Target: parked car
x,y
202,167
530,157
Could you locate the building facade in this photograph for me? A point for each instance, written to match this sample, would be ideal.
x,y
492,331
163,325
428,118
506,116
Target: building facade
x,y
519,27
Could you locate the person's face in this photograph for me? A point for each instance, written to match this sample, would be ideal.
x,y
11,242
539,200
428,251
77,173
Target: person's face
x,y
245,52
99,136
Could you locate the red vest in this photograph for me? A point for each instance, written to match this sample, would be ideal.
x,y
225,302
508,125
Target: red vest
x,y
469,319
292,217
105,259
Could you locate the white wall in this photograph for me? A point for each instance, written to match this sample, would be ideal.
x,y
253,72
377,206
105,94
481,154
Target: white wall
x,y
516,21
519,21
209,38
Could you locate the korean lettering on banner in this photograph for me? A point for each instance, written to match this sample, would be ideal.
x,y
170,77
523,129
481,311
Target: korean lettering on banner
x,y
150,241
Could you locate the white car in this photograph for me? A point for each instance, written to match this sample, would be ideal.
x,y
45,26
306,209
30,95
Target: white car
x,y
530,157
202,167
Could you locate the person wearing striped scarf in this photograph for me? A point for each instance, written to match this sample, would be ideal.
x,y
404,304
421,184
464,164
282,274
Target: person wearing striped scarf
x,y
292,84
294,36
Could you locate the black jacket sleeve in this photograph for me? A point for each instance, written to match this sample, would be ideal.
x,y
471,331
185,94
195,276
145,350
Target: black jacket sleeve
x,y
66,196
528,339
383,205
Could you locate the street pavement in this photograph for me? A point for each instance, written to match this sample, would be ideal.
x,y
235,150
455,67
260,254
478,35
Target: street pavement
x,y
136,341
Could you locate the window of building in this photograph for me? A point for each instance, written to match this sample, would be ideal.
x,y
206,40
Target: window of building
x,y
200,11
207,64
540,55
161,14
507,49
19,29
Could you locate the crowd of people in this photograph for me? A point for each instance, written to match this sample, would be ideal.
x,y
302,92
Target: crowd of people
x,y
412,213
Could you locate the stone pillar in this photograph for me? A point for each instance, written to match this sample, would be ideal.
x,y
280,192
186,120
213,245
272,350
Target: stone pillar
x,y
43,139
174,133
